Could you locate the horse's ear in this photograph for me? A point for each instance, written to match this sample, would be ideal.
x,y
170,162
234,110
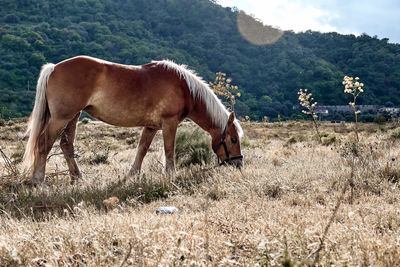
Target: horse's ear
x,y
231,118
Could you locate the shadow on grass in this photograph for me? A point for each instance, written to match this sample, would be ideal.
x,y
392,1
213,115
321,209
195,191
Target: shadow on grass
x,y
18,199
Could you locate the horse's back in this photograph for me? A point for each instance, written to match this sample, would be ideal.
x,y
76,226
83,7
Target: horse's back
x,y
117,94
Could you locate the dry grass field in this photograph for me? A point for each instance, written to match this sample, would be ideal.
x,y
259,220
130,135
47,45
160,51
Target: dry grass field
x,y
273,212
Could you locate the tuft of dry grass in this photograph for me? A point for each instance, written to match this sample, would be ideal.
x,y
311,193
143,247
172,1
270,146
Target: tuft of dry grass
x,y
275,211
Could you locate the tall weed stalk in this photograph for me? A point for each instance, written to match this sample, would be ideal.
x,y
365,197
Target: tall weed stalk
x,y
307,101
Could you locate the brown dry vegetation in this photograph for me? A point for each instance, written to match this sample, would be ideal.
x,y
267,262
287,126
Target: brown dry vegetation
x,y
271,213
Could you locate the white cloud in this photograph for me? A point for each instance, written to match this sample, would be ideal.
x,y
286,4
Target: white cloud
x,y
285,14
373,17
293,15
229,3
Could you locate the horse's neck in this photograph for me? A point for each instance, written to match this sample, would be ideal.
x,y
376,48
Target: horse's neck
x,y
201,117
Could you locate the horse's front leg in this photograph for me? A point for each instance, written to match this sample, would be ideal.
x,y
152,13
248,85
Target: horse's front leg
x,y
144,144
169,132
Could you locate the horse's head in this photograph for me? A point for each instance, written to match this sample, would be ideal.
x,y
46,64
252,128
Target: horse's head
x,y
227,144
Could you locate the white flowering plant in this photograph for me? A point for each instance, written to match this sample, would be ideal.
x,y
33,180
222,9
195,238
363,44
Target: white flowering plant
x,y
354,87
222,86
307,101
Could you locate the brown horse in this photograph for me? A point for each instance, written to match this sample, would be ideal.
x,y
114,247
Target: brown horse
x,y
158,95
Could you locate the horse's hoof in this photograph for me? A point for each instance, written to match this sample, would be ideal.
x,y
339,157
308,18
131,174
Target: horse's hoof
x,y
35,183
133,172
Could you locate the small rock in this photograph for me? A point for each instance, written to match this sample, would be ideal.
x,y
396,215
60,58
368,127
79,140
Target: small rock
x,y
166,210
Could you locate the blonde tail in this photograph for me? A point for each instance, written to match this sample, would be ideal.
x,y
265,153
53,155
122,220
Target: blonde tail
x,y
39,116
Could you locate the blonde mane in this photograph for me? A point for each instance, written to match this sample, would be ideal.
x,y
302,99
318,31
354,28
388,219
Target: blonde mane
x,y
200,90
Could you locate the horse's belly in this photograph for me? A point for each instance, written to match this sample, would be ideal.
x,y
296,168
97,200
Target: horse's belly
x,y
139,107
133,115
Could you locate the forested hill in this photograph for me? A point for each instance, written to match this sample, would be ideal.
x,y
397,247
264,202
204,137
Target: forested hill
x,y
198,33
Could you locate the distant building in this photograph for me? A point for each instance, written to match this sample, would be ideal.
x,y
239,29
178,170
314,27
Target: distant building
x,y
326,110
321,111
391,111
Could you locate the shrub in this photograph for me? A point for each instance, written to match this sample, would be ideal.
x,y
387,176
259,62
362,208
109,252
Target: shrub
x,y
131,141
329,140
389,173
272,190
380,119
192,147
295,139
395,134
324,134
100,157
18,154
245,142
291,140
301,138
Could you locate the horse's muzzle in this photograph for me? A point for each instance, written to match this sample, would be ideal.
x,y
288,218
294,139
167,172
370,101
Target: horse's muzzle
x,y
238,163
234,161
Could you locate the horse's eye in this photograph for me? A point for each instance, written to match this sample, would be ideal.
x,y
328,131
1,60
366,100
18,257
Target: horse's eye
x,y
234,140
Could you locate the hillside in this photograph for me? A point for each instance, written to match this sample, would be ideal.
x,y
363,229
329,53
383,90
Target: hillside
x,y
198,33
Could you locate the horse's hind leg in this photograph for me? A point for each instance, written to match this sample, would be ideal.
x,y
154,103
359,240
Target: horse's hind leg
x,y
46,141
144,144
67,146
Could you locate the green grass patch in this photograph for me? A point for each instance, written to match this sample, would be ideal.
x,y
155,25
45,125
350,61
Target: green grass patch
x,y
192,147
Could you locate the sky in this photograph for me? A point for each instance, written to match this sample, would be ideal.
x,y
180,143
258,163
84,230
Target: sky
x,y
373,17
